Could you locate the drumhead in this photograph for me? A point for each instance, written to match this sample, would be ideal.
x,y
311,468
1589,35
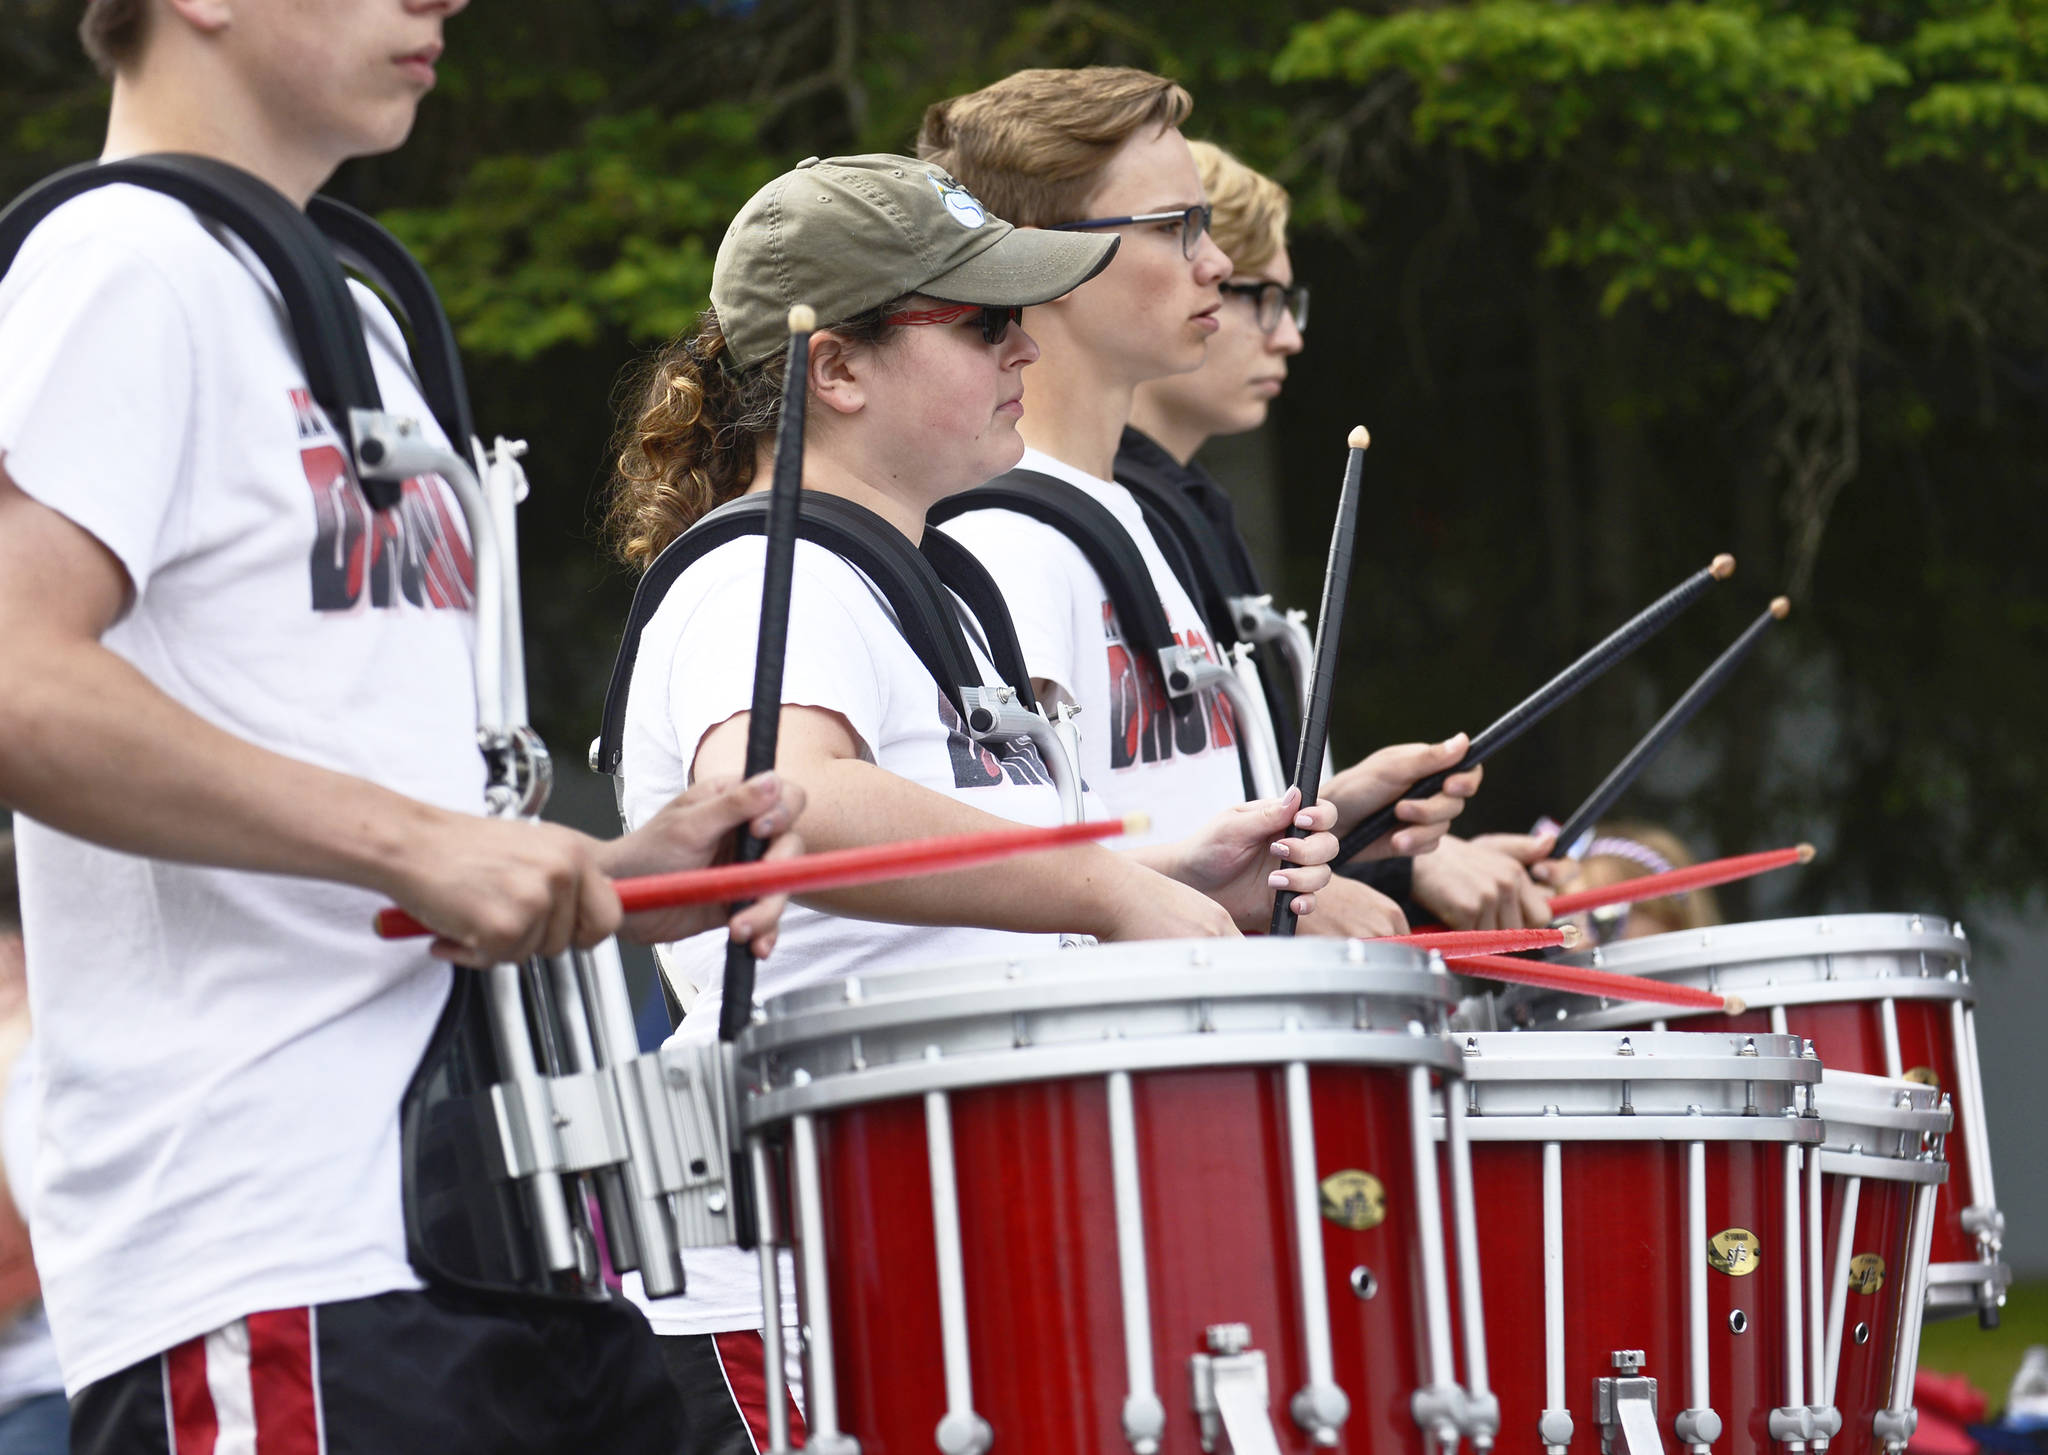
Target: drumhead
x,y
1567,1086
1089,1011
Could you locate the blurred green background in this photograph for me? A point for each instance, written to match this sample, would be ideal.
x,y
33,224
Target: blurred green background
x,y
1616,287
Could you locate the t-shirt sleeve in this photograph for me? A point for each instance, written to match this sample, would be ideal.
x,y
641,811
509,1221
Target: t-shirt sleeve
x,y
1046,582
96,392
827,663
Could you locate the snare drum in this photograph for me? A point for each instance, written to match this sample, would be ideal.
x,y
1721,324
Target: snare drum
x,y
1879,994
1138,1198
1646,1251
1881,1169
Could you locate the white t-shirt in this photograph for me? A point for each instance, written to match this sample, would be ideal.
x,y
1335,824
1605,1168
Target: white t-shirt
x,y
1173,758
695,670
223,1053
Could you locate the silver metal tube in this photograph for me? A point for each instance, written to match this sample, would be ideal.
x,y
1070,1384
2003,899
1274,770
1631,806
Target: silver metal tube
x,y
1698,1386
1319,1406
1888,1022
1144,1416
502,480
1816,1336
821,1375
1970,1104
1838,1282
1255,723
488,553
1465,1219
1553,1293
1906,1350
1778,1021
617,1040
1795,1318
548,1198
1429,1218
962,1430
775,1375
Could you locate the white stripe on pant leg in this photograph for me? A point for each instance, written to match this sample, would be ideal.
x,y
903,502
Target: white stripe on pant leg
x,y
170,1409
746,1425
227,1378
313,1365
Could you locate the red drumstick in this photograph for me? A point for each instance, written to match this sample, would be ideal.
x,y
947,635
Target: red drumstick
x,y
1454,943
834,869
1678,881
1581,981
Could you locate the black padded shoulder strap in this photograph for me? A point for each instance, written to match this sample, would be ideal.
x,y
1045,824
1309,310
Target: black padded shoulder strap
x,y
363,245
326,327
926,614
1098,534
968,579
1202,563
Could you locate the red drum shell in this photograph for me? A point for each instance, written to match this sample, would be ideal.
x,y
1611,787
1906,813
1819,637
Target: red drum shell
x,y
1863,1382
1624,1225
1037,1215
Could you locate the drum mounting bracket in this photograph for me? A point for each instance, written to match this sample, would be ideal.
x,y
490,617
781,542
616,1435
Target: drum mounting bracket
x,y
1230,1394
1626,1407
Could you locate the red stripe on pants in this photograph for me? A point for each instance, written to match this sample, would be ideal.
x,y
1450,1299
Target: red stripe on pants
x,y
744,1356
281,1382
194,1425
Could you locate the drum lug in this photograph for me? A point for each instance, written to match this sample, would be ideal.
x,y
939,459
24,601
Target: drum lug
x,y
1793,1425
1626,1407
1698,1428
963,1433
1895,1427
1443,1412
1230,1394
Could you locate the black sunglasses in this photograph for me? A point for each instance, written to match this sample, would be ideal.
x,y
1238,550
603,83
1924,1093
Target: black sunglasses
x,y
1273,301
995,318
1194,221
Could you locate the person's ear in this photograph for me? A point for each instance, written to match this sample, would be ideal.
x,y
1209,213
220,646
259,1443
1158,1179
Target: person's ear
x,y
208,17
836,374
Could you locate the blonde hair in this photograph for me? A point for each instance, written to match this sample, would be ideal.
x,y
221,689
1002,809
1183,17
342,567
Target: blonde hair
x,y
111,32
1690,911
1250,222
1033,146
689,442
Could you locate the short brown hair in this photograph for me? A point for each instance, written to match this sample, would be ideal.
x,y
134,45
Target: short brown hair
x,y
1250,208
1033,146
111,32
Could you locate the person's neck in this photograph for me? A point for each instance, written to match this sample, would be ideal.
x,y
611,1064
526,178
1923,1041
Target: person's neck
x,y
1172,430
155,111
1074,411
828,474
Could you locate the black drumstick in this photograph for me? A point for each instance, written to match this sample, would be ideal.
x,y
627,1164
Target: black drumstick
x,y
1315,725
1696,696
784,493
1552,694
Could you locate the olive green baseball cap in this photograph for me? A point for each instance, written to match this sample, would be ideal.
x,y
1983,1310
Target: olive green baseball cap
x,y
847,234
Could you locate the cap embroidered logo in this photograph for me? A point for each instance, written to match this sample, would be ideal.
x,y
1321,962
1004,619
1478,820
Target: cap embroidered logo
x,y
960,203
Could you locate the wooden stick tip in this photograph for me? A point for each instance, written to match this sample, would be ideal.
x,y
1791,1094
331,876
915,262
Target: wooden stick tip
x,y
1138,823
1733,1005
803,318
1571,935
1806,853
1359,437
1721,567
1781,607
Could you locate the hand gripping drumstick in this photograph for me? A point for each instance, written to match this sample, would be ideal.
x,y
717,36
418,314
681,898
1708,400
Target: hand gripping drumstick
x,y
1680,881
1551,695
1581,981
1315,726
1696,696
834,869
784,495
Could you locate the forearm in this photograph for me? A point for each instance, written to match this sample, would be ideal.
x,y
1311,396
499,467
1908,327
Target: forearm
x,y
91,747
852,803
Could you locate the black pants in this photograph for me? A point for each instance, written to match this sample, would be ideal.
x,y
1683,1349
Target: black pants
x,y
428,1373
722,1381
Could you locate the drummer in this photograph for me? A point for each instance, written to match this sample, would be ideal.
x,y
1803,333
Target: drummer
x,y
916,385
1479,883
1620,851
1097,152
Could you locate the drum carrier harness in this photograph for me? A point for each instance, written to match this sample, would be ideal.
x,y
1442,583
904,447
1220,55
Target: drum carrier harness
x,y
533,1120
1169,667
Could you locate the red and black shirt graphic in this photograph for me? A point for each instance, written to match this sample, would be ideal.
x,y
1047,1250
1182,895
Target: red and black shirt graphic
x,y
975,766
414,552
1147,726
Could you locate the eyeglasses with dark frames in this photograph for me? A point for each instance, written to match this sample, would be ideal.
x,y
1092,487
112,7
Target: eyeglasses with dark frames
x,y
1273,300
1194,221
995,318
